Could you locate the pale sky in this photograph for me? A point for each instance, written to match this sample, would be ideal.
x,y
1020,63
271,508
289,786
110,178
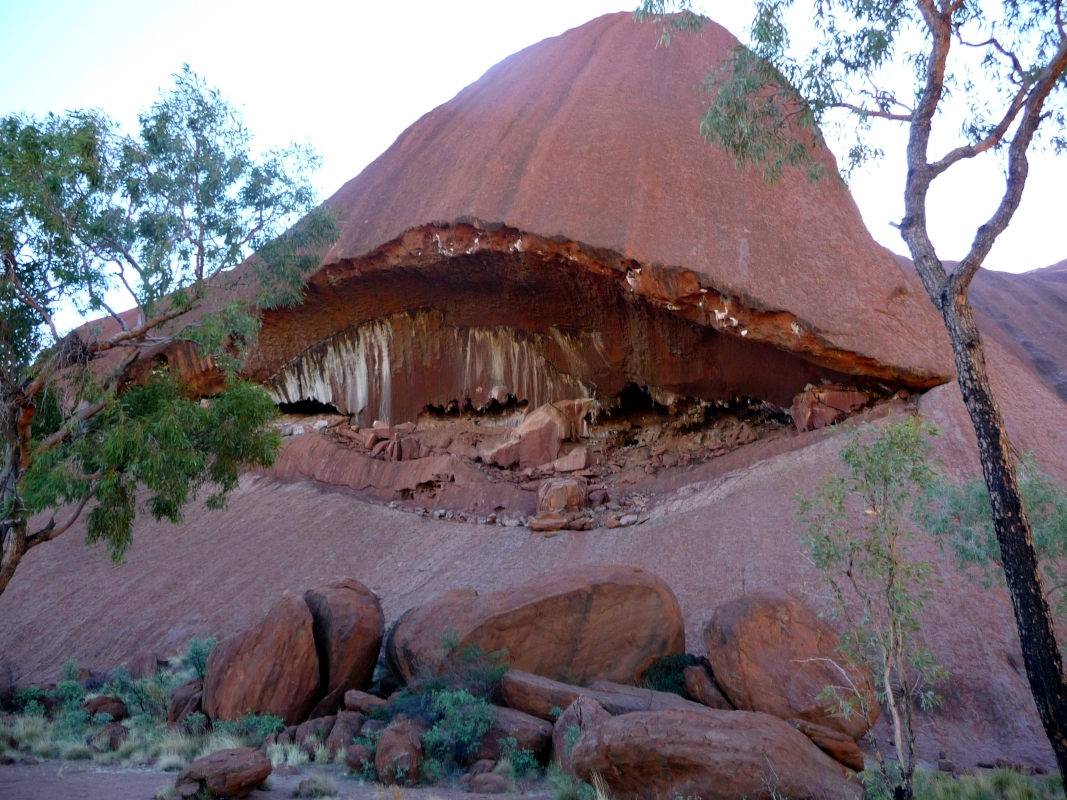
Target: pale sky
x,y
351,76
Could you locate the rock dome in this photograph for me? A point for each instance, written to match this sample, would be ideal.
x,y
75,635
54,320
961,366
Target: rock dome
x,y
560,230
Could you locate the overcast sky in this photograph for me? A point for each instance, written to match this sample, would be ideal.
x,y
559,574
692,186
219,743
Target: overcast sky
x,y
350,76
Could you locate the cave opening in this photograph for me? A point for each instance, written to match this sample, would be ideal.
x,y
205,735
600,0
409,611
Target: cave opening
x,y
308,407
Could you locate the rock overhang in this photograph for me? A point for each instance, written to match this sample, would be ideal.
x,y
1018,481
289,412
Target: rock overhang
x,y
476,313
560,223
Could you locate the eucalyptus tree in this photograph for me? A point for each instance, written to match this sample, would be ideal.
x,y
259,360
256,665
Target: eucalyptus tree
x,y
1000,66
93,223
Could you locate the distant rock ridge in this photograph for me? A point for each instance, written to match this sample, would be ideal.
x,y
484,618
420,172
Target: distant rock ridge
x,y
1026,313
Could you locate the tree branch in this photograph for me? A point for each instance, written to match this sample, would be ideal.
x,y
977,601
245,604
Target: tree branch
x,y
1018,168
12,278
135,333
992,140
51,530
866,112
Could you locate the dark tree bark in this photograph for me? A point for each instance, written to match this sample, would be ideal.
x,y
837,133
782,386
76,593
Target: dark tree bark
x,y
1033,618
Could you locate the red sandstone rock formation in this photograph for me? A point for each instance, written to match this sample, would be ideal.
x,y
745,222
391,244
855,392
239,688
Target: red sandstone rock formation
x,y
584,623
232,773
536,238
271,668
348,628
710,754
770,653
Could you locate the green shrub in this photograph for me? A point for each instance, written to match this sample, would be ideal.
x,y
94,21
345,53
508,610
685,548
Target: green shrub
x,y
29,700
460,722
523,761
666,674
196,655
470,668
146,697
567,787
195,723
255,728
69,671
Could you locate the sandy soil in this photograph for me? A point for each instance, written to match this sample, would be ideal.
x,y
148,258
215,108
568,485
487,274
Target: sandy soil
x,y
59,781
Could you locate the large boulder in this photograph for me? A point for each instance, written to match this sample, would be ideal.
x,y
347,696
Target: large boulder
x,y
708,753
581,716
234,773
539,697
770,653
269,669
348,628
582,623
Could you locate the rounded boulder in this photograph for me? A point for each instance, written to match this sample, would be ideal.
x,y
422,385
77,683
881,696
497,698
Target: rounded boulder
x,y
271,668
708,753
231,773
771,653
348,628
580,624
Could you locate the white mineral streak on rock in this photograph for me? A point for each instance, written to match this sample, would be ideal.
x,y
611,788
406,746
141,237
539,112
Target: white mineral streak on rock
x,y
395,366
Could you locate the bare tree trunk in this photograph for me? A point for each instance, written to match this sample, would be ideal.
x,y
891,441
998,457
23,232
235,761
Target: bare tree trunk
x,y
1037,637
13,522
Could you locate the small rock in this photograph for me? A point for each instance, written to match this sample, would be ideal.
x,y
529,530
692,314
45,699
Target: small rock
x,y
629,519
481,766
547,522
611,522
944,765
598,497
490,783
29,761
359,757
144,665
5,760
361,701
112,706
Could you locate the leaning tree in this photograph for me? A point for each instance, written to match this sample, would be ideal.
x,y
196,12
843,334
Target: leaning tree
x,y
999,67
152,225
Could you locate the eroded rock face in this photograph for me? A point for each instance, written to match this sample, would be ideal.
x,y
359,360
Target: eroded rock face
x,y
709,754
585,623
271,668
818,407
427,298
348,628
535,441
770,653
